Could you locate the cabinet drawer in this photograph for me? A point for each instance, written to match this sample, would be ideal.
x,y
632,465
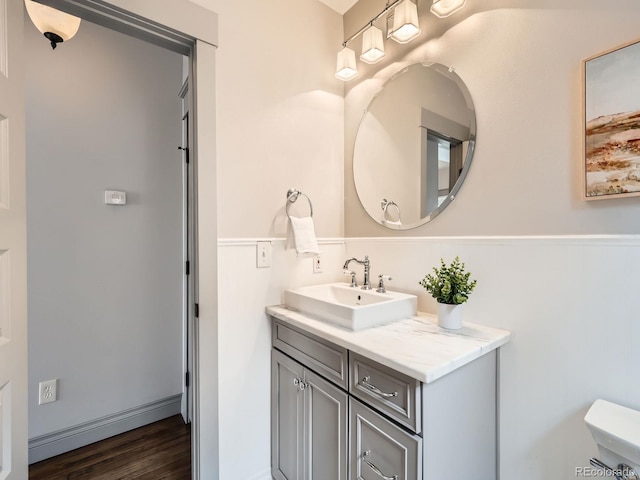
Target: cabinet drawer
x,y
323,357
380,449
383,388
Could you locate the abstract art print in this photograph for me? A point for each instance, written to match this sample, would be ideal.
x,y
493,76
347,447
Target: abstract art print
x,y
612,123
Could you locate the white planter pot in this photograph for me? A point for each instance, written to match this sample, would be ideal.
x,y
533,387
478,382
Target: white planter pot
x,y
450,316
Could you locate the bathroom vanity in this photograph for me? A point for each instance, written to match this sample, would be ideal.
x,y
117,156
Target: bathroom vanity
x,y
403,401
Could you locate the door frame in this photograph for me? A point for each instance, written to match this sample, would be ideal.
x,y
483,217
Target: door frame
x,y
188,249
192,30
13,247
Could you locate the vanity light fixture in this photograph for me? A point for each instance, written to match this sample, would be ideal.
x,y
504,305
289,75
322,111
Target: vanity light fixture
x,y
346,64
444,8
55,25
372,45
405,22
405,28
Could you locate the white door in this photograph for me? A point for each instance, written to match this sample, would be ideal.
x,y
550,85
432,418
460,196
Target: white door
x,y
13,269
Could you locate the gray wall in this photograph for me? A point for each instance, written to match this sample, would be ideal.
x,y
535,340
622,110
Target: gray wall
x,y
105,282
522,65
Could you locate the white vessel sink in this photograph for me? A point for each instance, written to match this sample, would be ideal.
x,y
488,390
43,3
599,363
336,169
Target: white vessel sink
x,y
352,308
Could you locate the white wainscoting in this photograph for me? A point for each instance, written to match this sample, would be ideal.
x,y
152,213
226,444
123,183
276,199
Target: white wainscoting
x,y
245,343
573,306
569,301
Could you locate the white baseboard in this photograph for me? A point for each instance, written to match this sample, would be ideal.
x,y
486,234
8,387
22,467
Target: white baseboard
x,y
52,444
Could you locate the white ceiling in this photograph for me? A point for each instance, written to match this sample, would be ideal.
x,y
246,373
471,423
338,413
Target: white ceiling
x,y
340,6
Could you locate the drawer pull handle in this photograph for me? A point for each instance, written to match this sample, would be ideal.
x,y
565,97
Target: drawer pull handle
x,y
365,383
376,469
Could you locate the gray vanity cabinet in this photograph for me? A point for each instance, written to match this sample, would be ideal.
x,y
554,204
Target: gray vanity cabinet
x,y
338,415
309,424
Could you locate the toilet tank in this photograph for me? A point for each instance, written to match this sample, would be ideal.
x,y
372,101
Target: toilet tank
x,y
616,431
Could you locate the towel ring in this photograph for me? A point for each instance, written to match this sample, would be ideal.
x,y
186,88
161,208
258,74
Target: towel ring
x,y
292,197
385,204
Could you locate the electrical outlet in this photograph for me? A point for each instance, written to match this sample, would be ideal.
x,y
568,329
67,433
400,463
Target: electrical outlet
x,y
263,254
48,391
317,264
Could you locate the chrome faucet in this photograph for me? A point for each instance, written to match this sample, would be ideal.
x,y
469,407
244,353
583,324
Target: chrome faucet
x,y
367,284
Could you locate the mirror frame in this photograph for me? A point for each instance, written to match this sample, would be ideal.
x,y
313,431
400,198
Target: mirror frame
x,y
452,75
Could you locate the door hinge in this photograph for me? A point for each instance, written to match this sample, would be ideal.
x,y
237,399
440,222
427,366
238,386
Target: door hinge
x,y
197,310
187,379
187,268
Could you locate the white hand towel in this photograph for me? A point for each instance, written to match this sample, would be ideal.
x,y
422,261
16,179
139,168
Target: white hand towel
x,y
391,222
304,236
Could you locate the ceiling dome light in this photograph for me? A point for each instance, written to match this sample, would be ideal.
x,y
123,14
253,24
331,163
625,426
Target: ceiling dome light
x,y
444,8
372,45
57,26
346,69
405,22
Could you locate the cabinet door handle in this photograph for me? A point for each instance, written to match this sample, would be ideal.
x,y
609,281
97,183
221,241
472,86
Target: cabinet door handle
x,y
376,469
298,382
365,383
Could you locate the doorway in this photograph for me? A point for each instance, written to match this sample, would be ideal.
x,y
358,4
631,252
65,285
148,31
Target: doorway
x,y
105,280
189,29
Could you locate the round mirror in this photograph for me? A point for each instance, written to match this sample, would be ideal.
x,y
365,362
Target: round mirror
x,y
414,146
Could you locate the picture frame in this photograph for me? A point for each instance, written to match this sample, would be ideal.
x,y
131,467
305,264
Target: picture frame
x,y
611,123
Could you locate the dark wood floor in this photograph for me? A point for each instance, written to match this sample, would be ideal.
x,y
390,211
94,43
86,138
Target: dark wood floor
x,y
160,451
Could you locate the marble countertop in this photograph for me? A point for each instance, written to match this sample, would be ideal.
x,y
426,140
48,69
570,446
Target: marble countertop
x,y
415,346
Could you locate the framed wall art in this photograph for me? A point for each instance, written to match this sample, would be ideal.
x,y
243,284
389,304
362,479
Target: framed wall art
x,y
612,123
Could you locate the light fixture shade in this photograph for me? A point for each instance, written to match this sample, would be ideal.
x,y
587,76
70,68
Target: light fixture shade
x,y
346,64
444,8
372,45
405,22
51,22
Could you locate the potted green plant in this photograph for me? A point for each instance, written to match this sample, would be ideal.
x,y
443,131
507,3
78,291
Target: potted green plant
x,y
451,286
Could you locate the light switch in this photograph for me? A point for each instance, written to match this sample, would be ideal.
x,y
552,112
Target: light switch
x,y
263,255
115,197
